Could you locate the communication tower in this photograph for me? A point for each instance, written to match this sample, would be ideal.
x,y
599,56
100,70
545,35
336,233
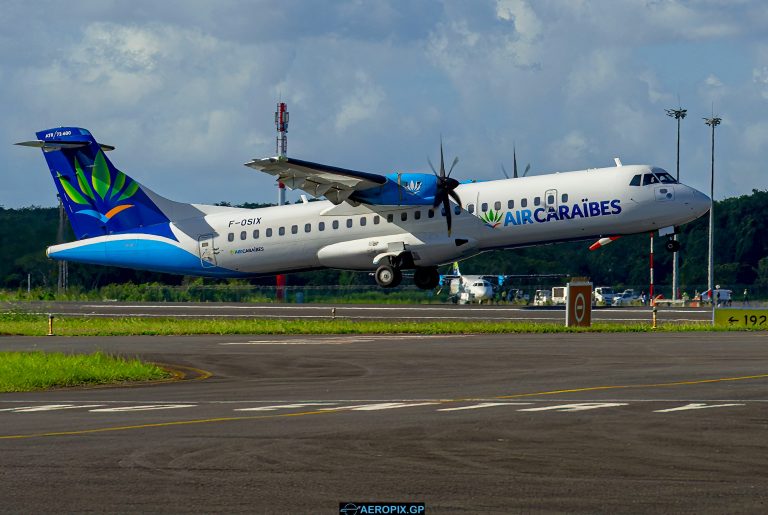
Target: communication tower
x,y
281,143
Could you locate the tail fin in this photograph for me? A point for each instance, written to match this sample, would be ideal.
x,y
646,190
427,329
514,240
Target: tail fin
x,y
99,198
456,270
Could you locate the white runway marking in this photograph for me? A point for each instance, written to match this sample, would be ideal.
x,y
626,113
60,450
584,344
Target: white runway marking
x,y
486,405
584,406
49,407
147,407
285,406
343,340
380,406
697,405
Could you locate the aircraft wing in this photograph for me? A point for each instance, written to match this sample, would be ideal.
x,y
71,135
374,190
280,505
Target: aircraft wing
x,y
337,184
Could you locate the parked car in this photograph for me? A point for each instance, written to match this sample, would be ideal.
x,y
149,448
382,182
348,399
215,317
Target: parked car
x,y
542,298
626,298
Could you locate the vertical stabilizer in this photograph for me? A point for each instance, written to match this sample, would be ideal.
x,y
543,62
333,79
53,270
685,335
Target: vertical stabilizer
x,y
99,198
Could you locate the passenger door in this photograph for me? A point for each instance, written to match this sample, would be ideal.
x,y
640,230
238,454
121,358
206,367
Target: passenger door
x,y
207,250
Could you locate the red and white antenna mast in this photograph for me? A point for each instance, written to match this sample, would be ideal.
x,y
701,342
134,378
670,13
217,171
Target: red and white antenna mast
x,y
281,143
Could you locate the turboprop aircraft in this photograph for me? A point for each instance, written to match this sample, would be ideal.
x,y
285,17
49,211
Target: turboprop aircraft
x,y
465,289
369,222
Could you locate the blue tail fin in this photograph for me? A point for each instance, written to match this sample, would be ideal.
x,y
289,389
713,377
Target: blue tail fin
x,y
99,198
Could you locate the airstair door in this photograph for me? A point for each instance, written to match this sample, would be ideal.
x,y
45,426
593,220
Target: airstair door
x,y
207,250
550,200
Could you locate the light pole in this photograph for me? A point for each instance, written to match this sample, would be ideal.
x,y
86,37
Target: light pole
x,y
712,122
678,114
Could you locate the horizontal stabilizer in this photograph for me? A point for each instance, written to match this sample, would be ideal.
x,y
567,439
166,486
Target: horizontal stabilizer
x,y
50,145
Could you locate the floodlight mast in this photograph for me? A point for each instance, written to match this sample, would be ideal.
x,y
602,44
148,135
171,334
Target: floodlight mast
x,y
678,114
712,122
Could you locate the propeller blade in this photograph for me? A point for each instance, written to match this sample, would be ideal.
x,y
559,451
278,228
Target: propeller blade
x,y
455,160
527,168
433,167
514,161
439,194
447,207
505,171
455,196
442,161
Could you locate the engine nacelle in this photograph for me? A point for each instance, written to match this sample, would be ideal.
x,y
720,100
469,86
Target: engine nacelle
x,y
360,254
403,189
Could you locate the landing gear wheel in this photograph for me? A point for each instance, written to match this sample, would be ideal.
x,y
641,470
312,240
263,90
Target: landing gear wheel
x,y
426,278
672,245
388,276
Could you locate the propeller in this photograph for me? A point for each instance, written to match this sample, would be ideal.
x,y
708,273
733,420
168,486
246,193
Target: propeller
x,y
514,165
445,187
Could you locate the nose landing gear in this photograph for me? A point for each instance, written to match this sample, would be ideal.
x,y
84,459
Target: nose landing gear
x,y
388,276
672,245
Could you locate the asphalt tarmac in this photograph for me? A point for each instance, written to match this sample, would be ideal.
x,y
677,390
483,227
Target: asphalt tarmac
x,y
589,423
425,312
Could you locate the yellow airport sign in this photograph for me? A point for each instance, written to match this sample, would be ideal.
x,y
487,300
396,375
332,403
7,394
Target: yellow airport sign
x,y
741,318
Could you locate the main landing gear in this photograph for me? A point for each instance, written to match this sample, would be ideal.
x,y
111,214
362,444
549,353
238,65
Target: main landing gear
x,y
389,275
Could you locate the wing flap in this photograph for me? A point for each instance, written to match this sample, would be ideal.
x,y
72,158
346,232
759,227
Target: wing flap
x,y
337,184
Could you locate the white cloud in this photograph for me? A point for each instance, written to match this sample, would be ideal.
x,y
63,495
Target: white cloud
x,y
572,147
361,104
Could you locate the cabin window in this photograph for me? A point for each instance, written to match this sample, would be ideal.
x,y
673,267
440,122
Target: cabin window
x,y
417,215
376,219
635,180
536,201
255,234
390,218
307,227
550,200
471,208
442,211
497,205
510,204
363,221
649,178
231,236
524,202
335,224
457,210
564,197
294,229
243,235
321,226
281,231
403,216
349,223
269,232
431,213
484,207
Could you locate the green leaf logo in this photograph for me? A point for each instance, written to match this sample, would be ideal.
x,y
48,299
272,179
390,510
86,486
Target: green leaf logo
x,y
71,192
100,175
492,218
82,181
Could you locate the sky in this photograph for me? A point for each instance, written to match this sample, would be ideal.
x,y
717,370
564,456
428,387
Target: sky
x,y
186,90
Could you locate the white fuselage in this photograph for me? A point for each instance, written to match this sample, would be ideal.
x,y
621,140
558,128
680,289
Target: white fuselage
x,y
497,214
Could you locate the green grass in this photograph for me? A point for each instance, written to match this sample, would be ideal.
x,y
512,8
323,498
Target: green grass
x,y
36,325
26,371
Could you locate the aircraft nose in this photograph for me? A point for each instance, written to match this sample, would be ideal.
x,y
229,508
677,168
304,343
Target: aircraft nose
x,y
700,203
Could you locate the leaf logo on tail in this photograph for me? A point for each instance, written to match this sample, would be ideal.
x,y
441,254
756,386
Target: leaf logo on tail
x,y
101,192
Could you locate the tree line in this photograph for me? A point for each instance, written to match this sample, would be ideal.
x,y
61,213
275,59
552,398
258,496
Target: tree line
x,y
741,256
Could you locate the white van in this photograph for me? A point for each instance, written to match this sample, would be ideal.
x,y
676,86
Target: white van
x,y
559,295
605,294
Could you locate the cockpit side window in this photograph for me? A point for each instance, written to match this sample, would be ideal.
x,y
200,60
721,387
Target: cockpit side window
x,y
649,178
635,180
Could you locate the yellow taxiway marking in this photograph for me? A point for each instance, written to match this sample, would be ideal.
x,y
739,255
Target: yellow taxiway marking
x,y
342,409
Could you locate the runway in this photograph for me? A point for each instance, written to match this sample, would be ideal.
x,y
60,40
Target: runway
x,y
410,312
614,423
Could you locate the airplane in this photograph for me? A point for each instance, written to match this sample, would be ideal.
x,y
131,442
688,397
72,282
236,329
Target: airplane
x,y
368,222
464,289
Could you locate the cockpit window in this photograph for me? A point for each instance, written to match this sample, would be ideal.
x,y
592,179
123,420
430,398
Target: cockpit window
x,y
666,178
649,178
635,180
